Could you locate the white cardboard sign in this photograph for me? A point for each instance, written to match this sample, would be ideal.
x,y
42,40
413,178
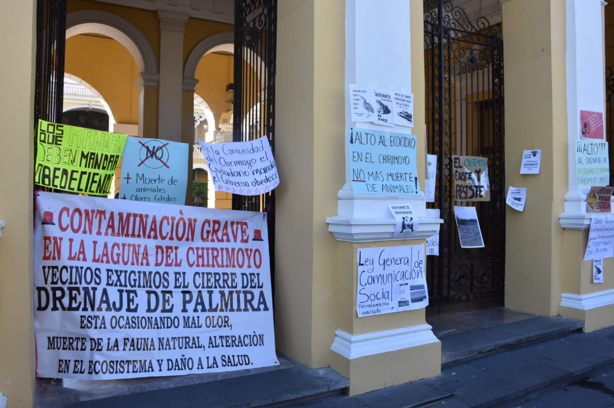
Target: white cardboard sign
x,y
531,161
406,222
431,180
362,104
244,168
516,198
126,289
384,107
404,109
600,238
390,280
432,243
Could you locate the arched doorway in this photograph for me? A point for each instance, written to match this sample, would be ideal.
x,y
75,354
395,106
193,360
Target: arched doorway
x,y
81,96
112,54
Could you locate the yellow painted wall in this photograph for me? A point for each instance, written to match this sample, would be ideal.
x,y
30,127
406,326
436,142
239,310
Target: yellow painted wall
x,y
214,72
145,20
17,42
196,30
418,82
106,65
309,156
535,118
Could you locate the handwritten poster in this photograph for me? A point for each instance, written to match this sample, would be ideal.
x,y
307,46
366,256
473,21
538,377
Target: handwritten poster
x,y
155,171
403,109
383,162
592,163
516,197
76,160
469,232
599,200
405,219
390,280
600,238
244,168
598,271
362,104
125,289
591,125
531,161
471,181
432,243
431,178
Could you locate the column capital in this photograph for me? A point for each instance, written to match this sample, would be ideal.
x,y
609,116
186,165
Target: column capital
x,y
149,80
189,84
170,21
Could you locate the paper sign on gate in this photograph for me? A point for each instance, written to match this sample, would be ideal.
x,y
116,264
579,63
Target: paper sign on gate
x,y
383,162
469,231
471,181
431,180
155,171
403,109
600,238
244,168
599,200
432,242
516,197
76,160
591,125
531,161
598,271
126,289
406,221
592,163
362,105
384,288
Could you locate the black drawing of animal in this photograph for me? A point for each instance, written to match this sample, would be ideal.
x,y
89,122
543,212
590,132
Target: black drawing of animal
x,y
407,224
383,108
598,270
406,115
367,106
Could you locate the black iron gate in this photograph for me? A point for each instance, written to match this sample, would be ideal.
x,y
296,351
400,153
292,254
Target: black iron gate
x,y
50,51
464,115
254,91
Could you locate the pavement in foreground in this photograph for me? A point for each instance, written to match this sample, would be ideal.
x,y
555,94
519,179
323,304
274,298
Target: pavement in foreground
x,y
575,370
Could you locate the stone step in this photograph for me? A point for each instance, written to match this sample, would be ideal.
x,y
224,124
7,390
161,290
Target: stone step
x,y
465,346
505,379
277,388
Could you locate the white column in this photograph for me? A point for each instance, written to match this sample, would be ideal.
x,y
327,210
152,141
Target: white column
x,y
378,54
585,91
172,28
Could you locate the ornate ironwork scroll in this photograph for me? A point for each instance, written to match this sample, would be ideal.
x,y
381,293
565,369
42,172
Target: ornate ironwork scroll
x,y
464,114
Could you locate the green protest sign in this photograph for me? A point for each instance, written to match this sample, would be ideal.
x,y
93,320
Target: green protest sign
x,y
75,159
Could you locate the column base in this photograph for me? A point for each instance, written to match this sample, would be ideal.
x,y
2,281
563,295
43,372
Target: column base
x,y
373,361
596,310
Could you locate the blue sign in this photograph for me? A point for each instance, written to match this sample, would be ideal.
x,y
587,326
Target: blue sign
x,y
383,162
155,171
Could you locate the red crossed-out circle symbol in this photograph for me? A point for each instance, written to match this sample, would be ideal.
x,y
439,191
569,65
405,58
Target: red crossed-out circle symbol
x,y
156,150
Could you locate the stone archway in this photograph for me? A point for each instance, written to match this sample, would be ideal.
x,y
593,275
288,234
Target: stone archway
x,y
124,32
121,30
80,101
